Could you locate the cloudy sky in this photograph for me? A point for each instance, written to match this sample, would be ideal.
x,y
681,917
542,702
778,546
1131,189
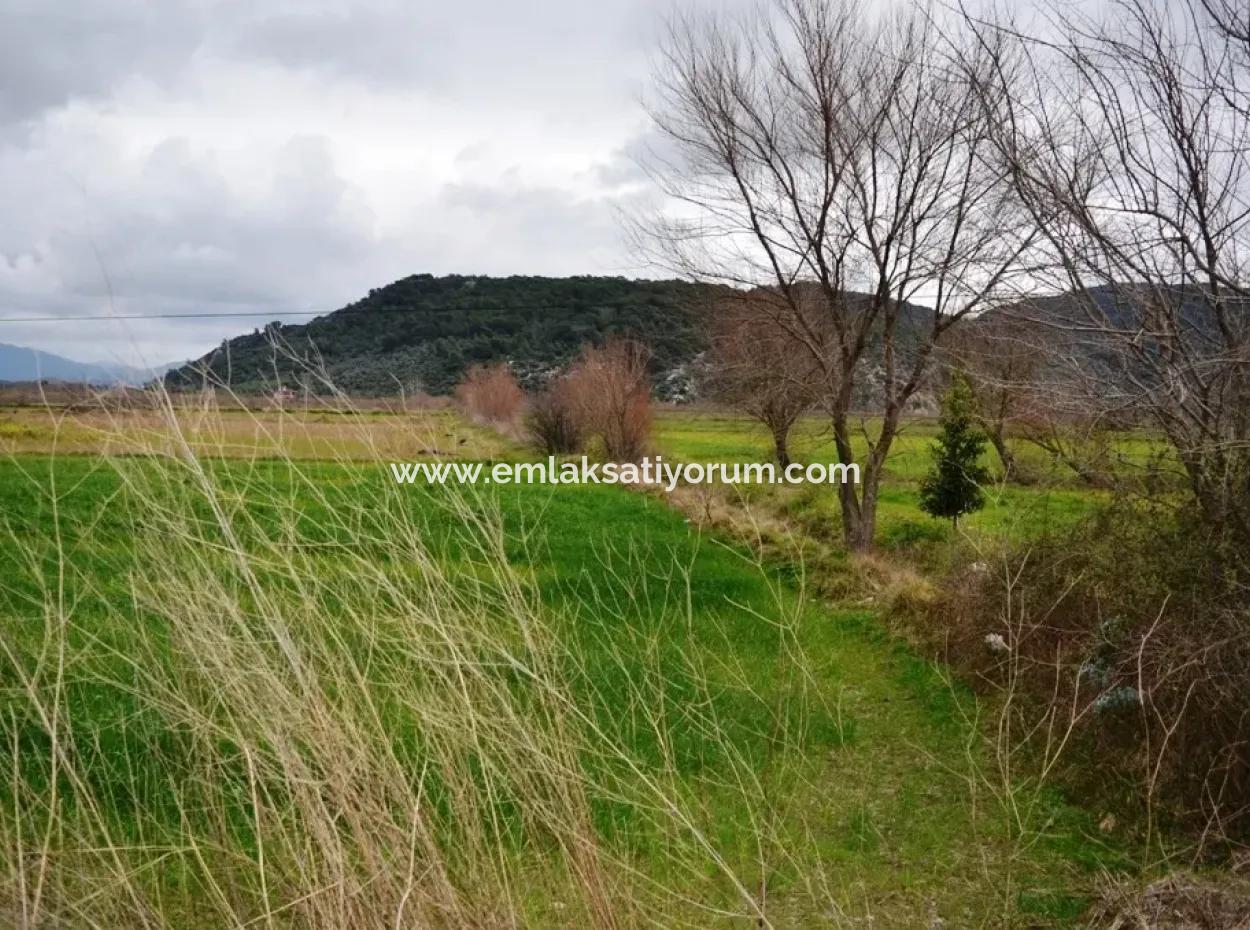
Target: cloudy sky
x,y
269,156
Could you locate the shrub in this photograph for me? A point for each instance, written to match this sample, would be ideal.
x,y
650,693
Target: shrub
x,y
1146,659
490,394
611,394
551,423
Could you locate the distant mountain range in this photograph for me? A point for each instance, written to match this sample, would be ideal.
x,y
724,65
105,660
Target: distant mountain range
x,y
19,363
420,334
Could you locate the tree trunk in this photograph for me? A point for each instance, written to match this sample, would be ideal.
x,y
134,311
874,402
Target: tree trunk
x,y
1005,455
859,504
781,450
859,520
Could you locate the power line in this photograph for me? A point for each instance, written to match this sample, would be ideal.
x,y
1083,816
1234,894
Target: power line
x,y
371,311
154,316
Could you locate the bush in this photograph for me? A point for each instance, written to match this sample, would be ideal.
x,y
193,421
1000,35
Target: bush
x,y
611,394
1146,658
490,394
551,423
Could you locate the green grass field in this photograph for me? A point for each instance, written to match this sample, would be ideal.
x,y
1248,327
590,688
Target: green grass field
x,y
229,685
1017,512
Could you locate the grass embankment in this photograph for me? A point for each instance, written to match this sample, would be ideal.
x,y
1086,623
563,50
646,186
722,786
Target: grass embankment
x,y
284,693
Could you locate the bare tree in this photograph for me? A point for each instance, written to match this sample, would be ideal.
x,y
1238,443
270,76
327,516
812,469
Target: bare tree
x,y
823,148
760,369
1024,393
1130,151
1001,362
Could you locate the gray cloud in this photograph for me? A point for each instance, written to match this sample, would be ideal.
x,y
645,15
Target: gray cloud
x,y
375,46
52,53
275,156
552,223
177,237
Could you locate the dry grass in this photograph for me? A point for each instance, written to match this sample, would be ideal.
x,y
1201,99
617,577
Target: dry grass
x,y
381,740
330,719
1177,902
240,433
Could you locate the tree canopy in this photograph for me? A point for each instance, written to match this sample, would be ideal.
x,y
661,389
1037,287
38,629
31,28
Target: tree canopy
x,y
422,332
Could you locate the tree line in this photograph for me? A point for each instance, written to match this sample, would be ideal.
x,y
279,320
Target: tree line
x,y
837,164
1067,192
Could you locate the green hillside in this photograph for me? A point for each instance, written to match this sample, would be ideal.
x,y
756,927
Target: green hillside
x,y
421,332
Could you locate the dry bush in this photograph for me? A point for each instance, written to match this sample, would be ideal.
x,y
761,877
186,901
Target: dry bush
x,y
1175,902
490,394
611,393
552,425
1145,662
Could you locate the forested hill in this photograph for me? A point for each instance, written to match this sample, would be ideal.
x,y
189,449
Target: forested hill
x,y
420,333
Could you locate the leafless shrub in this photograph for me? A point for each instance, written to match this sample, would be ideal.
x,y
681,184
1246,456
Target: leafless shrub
x,y
1175,902
611,393
1144,661
552,424
490,394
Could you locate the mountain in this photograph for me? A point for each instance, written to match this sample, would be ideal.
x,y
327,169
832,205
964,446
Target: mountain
x,y
1128,335
422,332
19,363
1126,307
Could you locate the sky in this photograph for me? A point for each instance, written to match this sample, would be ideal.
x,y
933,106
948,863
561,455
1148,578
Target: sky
x,y
266,156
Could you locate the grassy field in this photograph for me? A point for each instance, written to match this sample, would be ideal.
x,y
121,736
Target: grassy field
x,y
1019,512
258,689
298,434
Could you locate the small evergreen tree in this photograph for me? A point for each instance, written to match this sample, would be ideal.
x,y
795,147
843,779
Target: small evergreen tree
x,y
953,486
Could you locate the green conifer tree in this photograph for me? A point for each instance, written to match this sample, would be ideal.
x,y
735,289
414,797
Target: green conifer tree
x,y
953,486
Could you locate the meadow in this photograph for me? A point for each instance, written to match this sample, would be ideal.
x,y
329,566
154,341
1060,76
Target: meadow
x,y
325,433
247,680
1051,502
